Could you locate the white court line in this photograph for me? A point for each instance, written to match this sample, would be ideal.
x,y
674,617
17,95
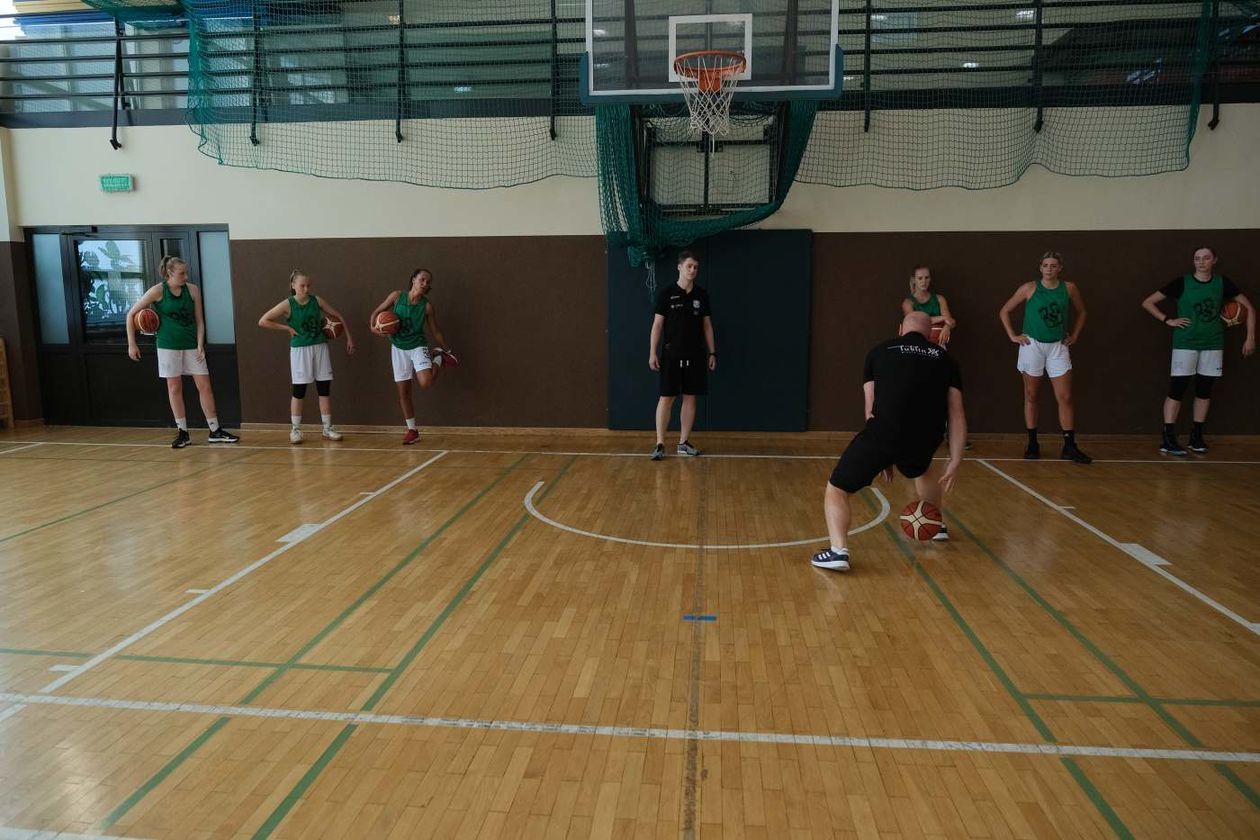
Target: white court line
x,y
650,732
1253,626
529,506
7,833
196,591
209,593
5,714
20,448
61,668
644,455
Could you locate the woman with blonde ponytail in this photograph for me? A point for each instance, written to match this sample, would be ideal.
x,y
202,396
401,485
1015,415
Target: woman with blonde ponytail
x,y
181,346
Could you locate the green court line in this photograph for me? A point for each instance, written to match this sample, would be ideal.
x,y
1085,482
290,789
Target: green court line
x,y
1095,796
1163,701
1207,701
122,498
63,654
187,752
286,805
1241,786
1140,693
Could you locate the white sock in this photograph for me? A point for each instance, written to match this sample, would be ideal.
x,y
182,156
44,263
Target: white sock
x,y
182,423
411,423
835,550
213,423
297,420
327,418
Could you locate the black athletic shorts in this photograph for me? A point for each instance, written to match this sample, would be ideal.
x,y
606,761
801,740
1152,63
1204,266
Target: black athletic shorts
x,y
866,457
684,375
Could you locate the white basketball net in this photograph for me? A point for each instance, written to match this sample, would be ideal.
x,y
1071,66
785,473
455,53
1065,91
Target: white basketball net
x,y
708,83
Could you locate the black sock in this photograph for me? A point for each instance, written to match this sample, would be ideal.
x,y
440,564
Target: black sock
x,y
1032,435
1069,437
1198,428
1170,429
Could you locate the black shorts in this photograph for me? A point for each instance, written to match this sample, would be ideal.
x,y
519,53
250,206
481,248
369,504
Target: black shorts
x,y
865,458
684,375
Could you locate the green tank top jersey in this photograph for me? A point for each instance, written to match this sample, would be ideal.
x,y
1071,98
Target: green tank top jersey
x,y
307,320
411,317
1046,313
178,327
1201,303
931,307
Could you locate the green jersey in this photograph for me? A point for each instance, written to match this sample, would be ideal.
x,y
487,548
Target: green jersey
x,y
1046,313
931,307
411,318
1200,301
307,320
178,328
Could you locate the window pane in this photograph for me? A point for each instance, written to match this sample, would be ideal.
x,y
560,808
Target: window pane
x,y
173,247
50,287
112,276
216,287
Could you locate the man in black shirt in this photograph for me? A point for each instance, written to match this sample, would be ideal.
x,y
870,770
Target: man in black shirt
x,y
687,353
912,388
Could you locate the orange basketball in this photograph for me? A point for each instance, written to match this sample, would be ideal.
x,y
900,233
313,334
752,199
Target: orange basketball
x,y
333,328
1232,313
387,322
147,321
921,520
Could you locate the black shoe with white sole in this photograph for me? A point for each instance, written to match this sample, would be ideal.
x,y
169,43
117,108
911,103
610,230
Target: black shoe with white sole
x,y
222,435
828,559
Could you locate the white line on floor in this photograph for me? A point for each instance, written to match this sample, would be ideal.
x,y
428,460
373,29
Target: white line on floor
x,y
62,667
7,833
534,512
655,733
20,448
644,455
210,593
1253,626
5,714
196,591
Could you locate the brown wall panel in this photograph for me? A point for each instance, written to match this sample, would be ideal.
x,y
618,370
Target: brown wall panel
x,y
1120,367
528,316
17,327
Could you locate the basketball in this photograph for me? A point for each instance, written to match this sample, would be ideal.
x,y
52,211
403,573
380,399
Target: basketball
x,y
921,520
387,322
147,321
1232,313
333,328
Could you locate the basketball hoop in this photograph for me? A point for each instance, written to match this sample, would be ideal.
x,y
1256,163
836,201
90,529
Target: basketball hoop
x,y
708,80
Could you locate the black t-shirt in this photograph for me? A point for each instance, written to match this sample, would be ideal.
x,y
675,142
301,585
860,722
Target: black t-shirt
x,y
912,380
684,314
1178,285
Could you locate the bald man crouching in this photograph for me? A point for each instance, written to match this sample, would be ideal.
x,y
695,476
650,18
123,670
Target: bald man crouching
x,y
912,387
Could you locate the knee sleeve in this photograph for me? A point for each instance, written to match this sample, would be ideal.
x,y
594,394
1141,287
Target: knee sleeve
x,y
299,391
323,387
1203,386
1177,387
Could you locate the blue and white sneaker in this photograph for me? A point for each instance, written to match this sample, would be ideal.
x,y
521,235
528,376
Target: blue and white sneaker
x,y
828,559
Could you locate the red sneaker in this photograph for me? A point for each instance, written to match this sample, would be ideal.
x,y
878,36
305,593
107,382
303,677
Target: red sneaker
x,y
411,437
445,358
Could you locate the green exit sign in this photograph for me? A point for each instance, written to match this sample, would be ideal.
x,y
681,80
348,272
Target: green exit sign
x,y
117,183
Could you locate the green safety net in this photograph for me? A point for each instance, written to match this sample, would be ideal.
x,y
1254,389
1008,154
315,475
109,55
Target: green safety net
x,y
454,94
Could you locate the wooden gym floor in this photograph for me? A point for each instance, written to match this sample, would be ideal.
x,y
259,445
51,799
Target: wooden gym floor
x,y
529,636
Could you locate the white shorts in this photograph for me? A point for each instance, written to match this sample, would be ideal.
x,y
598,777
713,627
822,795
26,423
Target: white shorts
x,y
1038,357
407,362
1202,362
310,364
173,364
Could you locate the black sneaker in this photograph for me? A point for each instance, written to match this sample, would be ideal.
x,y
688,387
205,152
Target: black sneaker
x,y
181,439
1032,452
685,448
659,452
1196,444
1071,453
1170,446
222,435
941,535
828,559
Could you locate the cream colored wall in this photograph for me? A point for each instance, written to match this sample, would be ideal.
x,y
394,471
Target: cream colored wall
x,y
54,182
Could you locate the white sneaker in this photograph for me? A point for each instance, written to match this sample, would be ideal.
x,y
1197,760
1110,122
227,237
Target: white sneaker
x,y
295,436
331,434
941,535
